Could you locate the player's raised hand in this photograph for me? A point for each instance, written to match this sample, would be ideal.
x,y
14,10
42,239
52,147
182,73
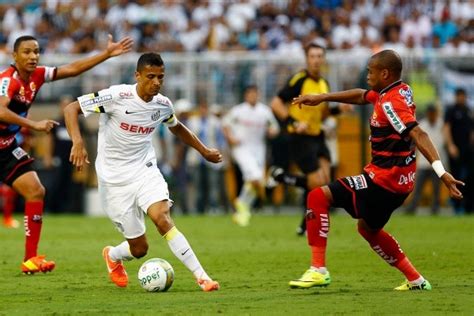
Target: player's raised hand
x,y
308,99
451,183
212,155
78,156
119,48
44,125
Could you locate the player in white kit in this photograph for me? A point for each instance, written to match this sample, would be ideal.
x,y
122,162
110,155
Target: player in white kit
x,y
130,183
246,127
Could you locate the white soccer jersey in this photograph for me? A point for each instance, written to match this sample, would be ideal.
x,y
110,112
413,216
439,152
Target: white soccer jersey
x,y
249,125
126,126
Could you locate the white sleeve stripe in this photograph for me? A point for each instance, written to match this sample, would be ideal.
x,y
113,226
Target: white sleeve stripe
x,y
393,117
49,73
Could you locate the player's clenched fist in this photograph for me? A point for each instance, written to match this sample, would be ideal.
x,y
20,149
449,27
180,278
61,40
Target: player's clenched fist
x,y
212,155
44,125
78,155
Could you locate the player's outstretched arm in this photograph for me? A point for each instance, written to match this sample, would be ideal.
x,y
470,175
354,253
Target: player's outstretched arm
x,y
113,49
10,117
426,147
189,138
353,96
78,154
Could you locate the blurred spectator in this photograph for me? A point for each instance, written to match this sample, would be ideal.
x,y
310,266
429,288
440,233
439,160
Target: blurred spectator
x,y
192,39
207,178
433,125
239,12
290,46
177,161
345,34
445,29
302,24
249,38
456,46
458,132
64,194
418,27
259,25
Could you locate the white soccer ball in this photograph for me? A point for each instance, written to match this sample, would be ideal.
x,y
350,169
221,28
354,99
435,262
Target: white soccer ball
x,y
156,275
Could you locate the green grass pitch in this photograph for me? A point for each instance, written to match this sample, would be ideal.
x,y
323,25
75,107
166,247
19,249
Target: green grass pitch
x,y
253,266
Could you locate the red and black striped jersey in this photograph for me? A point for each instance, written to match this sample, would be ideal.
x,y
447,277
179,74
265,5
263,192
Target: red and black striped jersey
x,y
21,93
393,164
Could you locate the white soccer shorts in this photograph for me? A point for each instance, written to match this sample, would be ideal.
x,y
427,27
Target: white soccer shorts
x,y
126,205
251,162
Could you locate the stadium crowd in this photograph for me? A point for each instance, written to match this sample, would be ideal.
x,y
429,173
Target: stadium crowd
x,y
284,26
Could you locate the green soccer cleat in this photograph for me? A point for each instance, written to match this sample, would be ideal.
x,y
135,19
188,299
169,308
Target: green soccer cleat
x,y
407,286
311,278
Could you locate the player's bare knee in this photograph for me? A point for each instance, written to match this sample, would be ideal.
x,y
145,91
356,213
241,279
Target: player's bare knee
x,y
35,192
139,251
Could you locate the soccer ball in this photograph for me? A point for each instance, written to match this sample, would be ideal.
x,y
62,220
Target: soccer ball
x,y
156,275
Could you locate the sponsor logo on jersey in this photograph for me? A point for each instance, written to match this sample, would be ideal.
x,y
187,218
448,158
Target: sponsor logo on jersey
x,y
393,117
155,116
407,94
359,182
373,120
22,91
126,95
136,128
4,86
19,153
406,178
97,100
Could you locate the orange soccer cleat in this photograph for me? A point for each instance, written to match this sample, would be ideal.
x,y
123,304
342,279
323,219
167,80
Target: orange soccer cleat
x,y
37,264
117,272
10,222
208,285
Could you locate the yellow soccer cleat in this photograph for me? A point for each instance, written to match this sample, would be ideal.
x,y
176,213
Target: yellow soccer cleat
x,y
37,264
242,215
310,279
407,286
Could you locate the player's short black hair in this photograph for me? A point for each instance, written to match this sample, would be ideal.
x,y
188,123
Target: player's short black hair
x,y
313,45
149,59
431,108
250,87
22,39
460,91
389,59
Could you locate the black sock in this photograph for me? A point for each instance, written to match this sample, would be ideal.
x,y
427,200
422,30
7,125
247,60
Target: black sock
x,y
291,179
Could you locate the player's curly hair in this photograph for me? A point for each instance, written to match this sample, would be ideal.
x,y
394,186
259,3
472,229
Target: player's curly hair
x,y
149,59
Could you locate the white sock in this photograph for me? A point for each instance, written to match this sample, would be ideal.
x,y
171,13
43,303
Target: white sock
x,y
321,270
121,252
418,281
183,251
247,194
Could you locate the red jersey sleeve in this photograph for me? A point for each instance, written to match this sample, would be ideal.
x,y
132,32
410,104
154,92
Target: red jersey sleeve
x,y
400,111
9,87
371,96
